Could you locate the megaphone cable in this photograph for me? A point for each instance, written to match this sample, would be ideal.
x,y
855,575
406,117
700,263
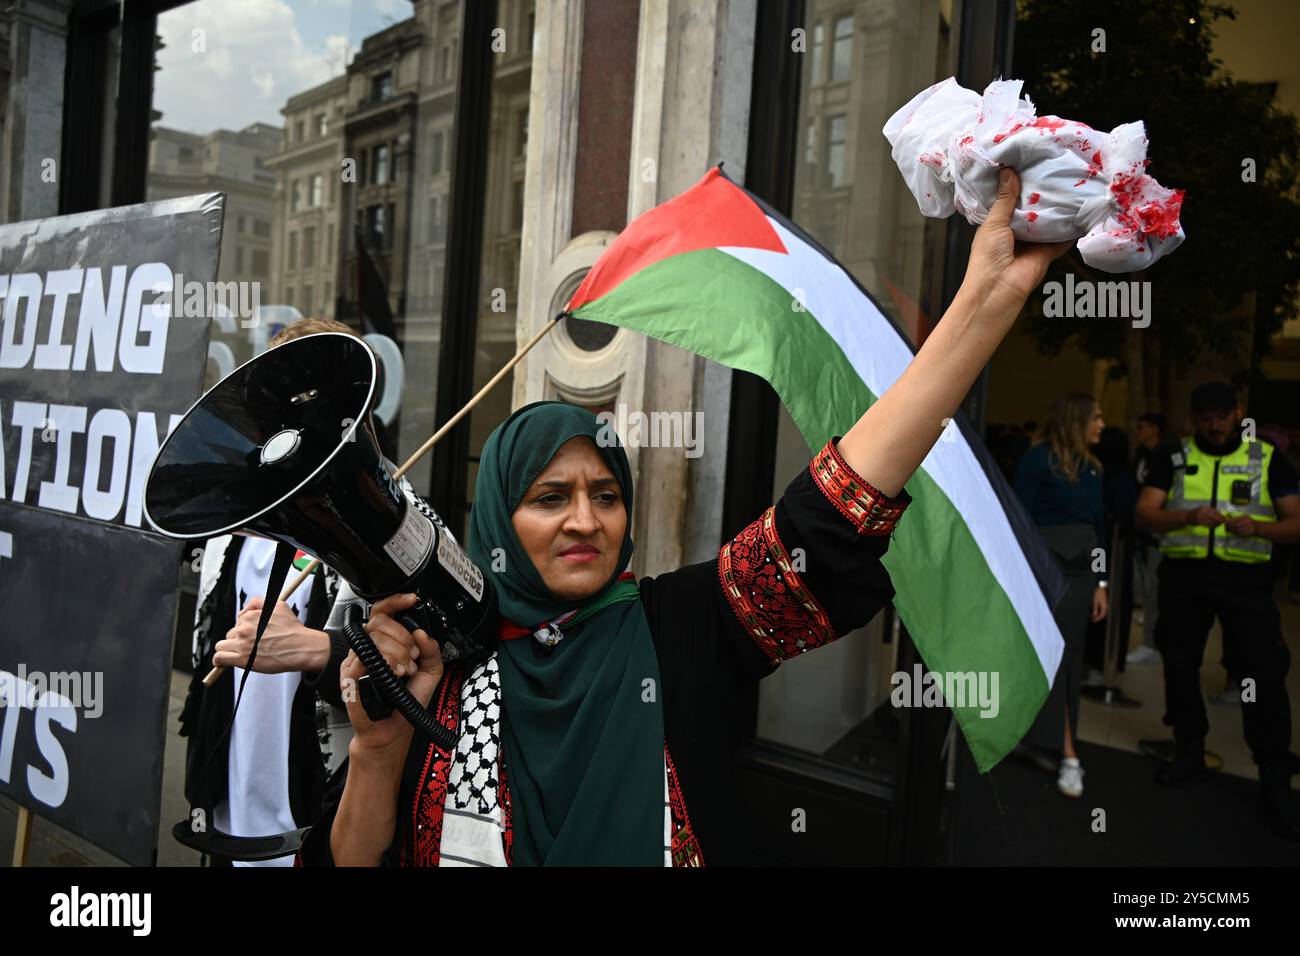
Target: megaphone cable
x,y
386,682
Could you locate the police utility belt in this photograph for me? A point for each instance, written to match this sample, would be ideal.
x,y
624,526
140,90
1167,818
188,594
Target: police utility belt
x,y
1235,484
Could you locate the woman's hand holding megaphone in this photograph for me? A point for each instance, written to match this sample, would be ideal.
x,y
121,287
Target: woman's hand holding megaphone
x,y
412,655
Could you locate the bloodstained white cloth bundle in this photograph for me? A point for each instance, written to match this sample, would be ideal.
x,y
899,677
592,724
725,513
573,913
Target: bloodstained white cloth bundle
x,y
1076,182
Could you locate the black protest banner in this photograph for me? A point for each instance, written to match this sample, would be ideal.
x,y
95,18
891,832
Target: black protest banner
x,y
98,361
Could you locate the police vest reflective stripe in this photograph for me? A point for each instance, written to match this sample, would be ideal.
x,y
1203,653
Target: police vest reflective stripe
x,y
1215,482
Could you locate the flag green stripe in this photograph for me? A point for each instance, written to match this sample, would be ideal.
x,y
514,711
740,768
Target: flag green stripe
x,y
692,300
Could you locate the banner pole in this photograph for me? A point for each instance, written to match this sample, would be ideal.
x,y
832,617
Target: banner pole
x,y
22,837
420,452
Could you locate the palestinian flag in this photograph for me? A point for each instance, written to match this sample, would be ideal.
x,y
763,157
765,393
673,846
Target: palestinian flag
x,y
718,272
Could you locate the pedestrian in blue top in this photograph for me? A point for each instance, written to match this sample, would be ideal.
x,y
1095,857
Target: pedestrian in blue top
x,y
1059,481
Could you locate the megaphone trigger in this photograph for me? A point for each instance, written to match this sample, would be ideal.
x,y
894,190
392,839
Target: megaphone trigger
x,y
433,622
410,623
372,701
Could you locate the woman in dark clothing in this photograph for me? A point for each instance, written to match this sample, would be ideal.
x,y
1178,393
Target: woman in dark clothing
x,y
1119,494
1059,481
600,730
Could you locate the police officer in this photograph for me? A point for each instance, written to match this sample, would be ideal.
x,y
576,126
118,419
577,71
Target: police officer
x,y
1219,502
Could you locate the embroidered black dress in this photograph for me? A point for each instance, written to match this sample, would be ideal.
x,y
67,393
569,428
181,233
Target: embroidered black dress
x,y
805,572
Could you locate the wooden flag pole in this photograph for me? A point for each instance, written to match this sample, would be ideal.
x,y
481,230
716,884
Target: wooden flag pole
x,y
420,452
23,836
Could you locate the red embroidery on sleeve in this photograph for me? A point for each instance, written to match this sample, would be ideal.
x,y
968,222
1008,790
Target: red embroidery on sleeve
x,y
870,510
771,602
503,794
431,790
686,845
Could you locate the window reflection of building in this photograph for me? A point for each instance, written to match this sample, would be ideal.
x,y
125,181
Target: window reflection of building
x,y
379,125
5,69
430,195
235,163
866,58
876,54
503,214
306,209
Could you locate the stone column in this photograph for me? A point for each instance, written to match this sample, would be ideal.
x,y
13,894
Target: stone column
x,y
691,110
33,134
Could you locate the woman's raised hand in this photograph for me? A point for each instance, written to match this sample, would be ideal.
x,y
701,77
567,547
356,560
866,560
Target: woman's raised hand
x,y
1003,271
413,655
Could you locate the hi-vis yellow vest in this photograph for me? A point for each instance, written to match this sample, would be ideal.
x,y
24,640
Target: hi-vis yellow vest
x,y
1234,484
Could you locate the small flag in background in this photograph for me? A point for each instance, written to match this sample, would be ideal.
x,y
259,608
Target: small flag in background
x,y
718,272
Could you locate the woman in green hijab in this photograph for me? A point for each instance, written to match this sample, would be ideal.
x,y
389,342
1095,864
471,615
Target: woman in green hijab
x,y
601,730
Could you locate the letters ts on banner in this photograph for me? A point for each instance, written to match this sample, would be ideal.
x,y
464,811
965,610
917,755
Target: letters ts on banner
x,y
118,324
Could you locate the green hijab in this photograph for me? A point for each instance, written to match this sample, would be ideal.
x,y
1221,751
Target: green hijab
x,y
582,725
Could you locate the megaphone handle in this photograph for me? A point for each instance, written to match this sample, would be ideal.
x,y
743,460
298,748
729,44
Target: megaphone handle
x,y
395,693
215,674
372,702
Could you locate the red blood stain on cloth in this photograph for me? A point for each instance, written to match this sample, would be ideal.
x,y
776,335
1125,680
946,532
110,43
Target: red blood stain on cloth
x,y
1151,217
1094,167
1032,216
1033,198
1050,123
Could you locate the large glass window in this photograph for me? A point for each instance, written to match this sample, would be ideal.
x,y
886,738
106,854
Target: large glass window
x,y
842,50
836,137
435,152
376,231
816,67
849,196
503,210
310,116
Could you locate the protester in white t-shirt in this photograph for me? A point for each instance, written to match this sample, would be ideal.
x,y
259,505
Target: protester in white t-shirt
x,y
258,760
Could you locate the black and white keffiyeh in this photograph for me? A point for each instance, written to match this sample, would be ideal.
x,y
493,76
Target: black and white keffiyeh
x,y
473,825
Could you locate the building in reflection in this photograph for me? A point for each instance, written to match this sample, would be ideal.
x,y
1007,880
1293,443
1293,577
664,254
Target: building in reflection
x,y
864,60
234,163
308,198
383,81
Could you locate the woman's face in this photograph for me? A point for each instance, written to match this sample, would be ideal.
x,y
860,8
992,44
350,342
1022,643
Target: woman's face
x,y
572,520
1095,425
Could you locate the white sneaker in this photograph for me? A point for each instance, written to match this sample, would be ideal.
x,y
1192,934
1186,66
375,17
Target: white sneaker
x,y
1143,655
1070,778
1228,696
